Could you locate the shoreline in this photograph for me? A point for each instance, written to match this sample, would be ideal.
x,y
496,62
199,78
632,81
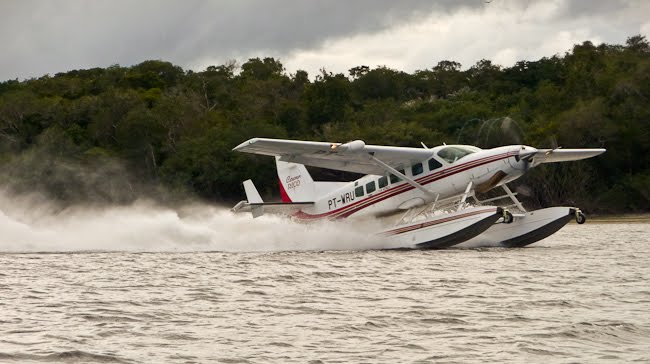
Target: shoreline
x,y
619,219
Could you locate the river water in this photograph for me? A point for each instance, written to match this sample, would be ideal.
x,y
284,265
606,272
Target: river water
x,y
581,295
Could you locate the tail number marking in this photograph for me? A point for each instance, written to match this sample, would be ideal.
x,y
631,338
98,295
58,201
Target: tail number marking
x,y
345,198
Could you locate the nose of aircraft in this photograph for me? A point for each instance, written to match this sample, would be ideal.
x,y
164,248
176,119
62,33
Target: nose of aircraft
x,y
523,158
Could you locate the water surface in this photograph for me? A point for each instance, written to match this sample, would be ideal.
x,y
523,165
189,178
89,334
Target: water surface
x,y
581,295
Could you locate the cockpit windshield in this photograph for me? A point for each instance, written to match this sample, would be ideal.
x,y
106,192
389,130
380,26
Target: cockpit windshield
x,y
453,153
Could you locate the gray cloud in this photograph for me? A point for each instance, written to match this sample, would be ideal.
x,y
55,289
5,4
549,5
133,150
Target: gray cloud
x,y
580,8
51,36
41,36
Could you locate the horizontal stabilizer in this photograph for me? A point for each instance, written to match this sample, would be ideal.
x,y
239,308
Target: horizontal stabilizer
x,y
275,208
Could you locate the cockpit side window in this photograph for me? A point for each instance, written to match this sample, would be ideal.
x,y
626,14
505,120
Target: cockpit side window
x,y
451,154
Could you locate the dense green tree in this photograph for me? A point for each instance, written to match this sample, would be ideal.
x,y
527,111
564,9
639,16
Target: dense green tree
x,y
153,74
116,133
328,98
262,69
381,83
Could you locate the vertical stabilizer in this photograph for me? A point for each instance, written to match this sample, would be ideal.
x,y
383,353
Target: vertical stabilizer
x,y
296,184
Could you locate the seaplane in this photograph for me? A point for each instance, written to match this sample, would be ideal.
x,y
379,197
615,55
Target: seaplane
x,y
425,198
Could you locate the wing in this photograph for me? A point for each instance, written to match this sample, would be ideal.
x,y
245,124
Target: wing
x,y
354,156
564,155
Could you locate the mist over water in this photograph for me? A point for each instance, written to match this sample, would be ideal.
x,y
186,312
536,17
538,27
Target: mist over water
x,y
30,223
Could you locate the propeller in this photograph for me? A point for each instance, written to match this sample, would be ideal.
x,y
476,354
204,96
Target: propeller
x,y
511,130
524,190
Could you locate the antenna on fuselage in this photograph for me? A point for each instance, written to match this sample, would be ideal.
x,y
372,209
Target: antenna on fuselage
x,y
424,145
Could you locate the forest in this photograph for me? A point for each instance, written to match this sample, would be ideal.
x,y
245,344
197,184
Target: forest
x,y
155,130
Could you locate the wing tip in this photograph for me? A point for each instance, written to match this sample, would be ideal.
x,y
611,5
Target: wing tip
x,y
598,151
245,144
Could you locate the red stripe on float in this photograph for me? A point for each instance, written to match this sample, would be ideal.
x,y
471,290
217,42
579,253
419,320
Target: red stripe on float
x,y
434,222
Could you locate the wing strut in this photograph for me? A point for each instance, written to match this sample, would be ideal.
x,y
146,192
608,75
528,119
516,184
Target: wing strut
x,y
513,198
410,181
462,200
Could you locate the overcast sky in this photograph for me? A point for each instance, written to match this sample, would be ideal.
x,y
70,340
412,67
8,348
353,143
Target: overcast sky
x,y
43,36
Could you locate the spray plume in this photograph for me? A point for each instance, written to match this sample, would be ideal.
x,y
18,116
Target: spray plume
x,y
29,223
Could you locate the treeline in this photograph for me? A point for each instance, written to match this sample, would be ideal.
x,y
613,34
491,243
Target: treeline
x,y
113,134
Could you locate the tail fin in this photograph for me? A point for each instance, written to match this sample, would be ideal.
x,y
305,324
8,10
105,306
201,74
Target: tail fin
x,y
296,184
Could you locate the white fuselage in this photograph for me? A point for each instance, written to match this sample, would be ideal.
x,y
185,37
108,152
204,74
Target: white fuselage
x,y
442,176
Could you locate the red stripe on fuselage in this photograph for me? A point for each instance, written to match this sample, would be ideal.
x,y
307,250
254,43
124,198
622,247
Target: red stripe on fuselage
x,y
426,180
346,211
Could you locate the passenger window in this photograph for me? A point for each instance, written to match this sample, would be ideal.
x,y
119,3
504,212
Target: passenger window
x,y
417,169
370,187
358,192
434,164
383,182
394,178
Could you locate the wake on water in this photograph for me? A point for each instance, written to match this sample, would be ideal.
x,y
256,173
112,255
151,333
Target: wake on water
x,y
30,224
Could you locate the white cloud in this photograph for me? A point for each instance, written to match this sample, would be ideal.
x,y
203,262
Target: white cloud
x,y
506,56
505,33
645,29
